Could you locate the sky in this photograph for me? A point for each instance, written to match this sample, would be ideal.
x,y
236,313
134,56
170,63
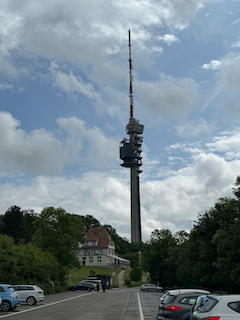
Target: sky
x,y
64,107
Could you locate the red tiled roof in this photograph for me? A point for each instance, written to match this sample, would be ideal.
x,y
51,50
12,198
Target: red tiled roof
x,y
100,235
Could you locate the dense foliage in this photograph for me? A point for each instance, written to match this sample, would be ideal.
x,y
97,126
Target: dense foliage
x,y
207,257
18,224
59,233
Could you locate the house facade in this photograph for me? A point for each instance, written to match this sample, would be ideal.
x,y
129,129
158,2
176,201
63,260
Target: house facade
x,y
99,250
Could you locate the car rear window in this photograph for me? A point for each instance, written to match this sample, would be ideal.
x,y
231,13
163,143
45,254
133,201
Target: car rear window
x,y
208,305
169,299
188,300
11,289
235,306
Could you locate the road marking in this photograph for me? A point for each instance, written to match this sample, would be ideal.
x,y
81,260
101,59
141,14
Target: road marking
x,y
44,306
140,308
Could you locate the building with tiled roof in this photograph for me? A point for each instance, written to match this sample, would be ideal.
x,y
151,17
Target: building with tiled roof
x,y
99,250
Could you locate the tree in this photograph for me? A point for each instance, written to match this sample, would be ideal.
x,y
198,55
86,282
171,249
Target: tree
x,y
155,254
136,273
60,233
24,263
90,222
18,224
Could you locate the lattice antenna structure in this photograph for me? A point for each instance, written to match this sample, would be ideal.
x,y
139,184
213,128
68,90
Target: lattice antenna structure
x,y
130,75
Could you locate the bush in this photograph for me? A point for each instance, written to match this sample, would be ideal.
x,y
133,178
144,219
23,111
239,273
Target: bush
x,y
136,273
128,283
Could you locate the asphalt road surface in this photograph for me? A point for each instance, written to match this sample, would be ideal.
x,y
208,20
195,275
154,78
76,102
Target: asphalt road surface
x,y
114,304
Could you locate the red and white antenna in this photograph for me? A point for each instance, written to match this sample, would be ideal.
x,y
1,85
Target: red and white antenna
x,y
130,75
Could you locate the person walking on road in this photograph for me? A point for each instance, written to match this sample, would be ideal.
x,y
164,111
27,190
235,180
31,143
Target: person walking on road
x,y
103,286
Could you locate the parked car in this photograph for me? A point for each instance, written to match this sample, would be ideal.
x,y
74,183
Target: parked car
x,y
10,299
29,293
0,302
177,306
94,282
219,306
82,286
174,291
150,287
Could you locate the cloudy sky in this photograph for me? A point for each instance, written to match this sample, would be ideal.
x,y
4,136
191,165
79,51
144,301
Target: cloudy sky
x,y
64,106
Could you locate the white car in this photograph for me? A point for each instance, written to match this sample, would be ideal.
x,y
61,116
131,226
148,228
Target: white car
x,y
223,307
29,293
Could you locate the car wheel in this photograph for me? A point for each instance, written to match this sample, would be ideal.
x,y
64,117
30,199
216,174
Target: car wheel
x,y
145,290
73,289
6,306
88,289
31,301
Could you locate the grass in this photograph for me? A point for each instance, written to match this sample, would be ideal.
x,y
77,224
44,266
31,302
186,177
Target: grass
x,y
77,275
136,283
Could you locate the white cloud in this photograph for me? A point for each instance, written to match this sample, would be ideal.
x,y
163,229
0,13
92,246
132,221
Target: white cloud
x,y
168,96
4,86
72,84
77,30
42,152
236,44
168,38
194,128
214,64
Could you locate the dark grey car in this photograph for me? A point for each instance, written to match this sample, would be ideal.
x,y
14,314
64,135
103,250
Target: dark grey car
x,y
177,306
82,286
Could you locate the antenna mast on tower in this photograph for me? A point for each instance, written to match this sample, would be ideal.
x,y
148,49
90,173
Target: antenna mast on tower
x,y
130,75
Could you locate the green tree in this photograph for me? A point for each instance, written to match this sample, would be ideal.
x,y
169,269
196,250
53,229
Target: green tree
x,y
24,263
155,255
90,222
60,233
18,223
136,273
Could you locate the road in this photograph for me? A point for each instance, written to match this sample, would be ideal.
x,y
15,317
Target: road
x,y
114,304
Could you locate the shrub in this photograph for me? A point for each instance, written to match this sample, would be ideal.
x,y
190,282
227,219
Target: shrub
x,y
128,282
136,273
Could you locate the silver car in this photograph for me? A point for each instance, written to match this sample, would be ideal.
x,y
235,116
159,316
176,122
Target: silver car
x,y
219,306
150,287
29,293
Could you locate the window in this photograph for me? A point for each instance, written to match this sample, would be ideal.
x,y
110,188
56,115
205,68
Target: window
x,y
188,300
90,259
99,259
208,305
1,289
235,306
169,299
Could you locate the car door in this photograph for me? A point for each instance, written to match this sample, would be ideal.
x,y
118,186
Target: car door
x,y
23,292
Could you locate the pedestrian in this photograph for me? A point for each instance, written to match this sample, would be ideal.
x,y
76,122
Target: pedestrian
x,y
98,287
103,286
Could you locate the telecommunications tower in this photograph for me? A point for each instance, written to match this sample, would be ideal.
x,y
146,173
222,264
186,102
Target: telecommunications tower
x,y
130,153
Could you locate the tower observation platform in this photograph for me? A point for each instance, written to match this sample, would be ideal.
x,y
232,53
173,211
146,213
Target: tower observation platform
x,y
130,153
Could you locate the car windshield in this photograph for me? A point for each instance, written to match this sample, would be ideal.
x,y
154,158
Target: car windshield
x,y
208,305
